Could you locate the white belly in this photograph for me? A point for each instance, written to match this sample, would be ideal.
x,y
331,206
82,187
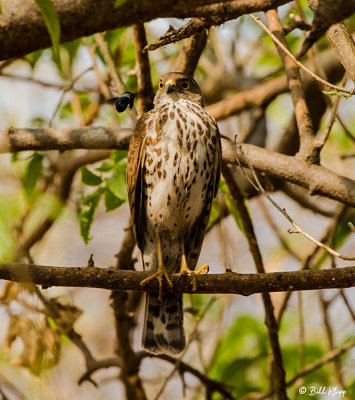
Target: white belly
x,y
178,168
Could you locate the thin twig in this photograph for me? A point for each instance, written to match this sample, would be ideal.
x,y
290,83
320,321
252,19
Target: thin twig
x,y
211,384
257,185
65,90
115,76
328,234
319,79
330,335
321,141
308,369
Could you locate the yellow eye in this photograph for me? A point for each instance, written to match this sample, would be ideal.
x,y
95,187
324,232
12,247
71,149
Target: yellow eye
x,y
161,85
185,85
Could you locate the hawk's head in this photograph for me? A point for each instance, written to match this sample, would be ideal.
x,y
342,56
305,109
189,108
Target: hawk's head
x,y
175,86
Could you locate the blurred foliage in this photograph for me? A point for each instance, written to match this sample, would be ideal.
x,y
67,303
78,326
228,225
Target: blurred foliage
x,y
51,19
111,185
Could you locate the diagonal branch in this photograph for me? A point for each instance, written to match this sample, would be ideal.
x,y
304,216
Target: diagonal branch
x,y
210,384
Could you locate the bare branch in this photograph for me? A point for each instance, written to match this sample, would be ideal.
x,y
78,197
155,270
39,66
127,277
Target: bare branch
x,y
229,282
308,150
17,139
191,53
344,47
23,29
145,87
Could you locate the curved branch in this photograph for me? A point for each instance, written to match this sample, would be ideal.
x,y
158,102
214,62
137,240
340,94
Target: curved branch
x,y
229,282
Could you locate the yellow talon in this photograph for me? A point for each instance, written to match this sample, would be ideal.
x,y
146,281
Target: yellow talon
x,y
160,274
185,270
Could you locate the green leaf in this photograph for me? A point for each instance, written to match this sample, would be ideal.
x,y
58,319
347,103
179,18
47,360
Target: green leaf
x,y
119,3
117,182
106,166
214,212
231,206
245,367
89,178
337,93
118,155
50,16
86,214
33,57
111,201
32,173
72,48
115,157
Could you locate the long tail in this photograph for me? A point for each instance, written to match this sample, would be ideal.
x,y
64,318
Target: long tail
x,y
163,330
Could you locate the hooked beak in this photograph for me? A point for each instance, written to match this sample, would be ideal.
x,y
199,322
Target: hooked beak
x,y
170,86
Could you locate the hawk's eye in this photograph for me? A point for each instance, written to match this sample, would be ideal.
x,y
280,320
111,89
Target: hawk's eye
x,y
161,85
185,85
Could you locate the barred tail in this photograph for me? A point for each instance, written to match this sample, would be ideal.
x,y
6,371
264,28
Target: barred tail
x,y
163,330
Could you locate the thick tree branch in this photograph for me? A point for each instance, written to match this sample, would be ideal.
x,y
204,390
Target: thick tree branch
x,y
308,150
145,87
17,139
191,53
317,179
23,29
212,15
230,282
344,46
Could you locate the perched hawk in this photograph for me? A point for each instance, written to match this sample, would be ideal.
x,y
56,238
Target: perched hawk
x,y
173,174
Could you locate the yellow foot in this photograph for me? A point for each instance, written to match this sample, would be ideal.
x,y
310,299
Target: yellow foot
x,y
185,270
160,275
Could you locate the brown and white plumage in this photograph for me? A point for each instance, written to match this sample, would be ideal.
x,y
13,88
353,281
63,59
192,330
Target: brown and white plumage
x,y
172,176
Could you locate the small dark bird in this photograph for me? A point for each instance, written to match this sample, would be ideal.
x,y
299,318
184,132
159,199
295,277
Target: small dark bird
x,y
122,102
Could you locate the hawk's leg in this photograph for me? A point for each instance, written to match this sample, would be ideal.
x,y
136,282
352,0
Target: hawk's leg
x,y
187,271
160,274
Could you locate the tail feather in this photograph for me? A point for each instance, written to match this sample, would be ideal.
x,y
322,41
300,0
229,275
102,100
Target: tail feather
x,y
163,330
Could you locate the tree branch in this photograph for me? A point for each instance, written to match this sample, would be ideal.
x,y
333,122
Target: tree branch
x,y
317,179
211,384
23,29
308,151
145,87
229,282
89,137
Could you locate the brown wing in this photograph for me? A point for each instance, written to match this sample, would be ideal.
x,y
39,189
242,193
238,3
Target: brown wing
x,y
135,179
193,242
